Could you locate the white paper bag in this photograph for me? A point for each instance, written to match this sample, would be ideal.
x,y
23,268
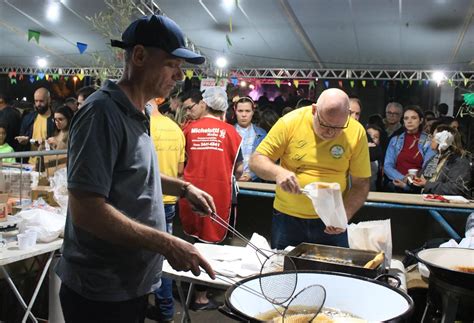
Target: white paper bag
x,y
327,201
372,235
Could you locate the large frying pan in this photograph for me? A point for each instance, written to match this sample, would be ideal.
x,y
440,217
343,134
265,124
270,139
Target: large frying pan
x,y
443,263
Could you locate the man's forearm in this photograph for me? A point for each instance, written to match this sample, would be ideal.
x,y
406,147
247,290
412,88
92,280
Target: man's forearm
x,y
264,167
171,185
356,196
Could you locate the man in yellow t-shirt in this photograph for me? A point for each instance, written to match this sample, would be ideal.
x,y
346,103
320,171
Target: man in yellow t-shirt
x,y
169,143
317,143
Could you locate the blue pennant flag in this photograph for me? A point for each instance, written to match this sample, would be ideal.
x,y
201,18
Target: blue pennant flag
x,y
82,47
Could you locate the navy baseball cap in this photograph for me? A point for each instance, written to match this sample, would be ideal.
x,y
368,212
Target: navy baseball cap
x,y
158,31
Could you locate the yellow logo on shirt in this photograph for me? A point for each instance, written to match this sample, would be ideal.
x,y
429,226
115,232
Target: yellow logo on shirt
x,y
337,151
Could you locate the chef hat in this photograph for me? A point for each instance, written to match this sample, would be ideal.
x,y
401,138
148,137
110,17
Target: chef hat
x,y
215,98
444,140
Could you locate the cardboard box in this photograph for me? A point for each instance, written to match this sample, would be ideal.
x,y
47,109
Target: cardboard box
x,y
44,192
3,207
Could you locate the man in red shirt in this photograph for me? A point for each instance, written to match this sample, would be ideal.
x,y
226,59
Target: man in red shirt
x,y
212,147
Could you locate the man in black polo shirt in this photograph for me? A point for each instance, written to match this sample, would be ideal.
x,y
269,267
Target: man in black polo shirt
x,y
115,237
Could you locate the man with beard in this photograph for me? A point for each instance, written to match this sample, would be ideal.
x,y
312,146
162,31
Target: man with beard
x,y
38,125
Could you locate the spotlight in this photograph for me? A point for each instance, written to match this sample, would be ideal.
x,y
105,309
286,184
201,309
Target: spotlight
x,y
41,62
221,62
251,86
243,83
438,77
52,11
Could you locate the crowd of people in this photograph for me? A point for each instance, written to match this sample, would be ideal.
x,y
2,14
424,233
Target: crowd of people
x,y
136,152
42,125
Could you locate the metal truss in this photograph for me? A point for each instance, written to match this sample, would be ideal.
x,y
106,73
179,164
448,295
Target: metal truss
x,y
261,73
327,74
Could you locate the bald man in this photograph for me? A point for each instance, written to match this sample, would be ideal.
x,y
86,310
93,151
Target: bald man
x,y
317,143
38,125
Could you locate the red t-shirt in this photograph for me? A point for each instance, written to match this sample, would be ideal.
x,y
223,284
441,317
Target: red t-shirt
x,y
410,156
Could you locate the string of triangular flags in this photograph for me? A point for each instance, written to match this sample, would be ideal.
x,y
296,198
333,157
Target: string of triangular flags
x,y
14,76
34,34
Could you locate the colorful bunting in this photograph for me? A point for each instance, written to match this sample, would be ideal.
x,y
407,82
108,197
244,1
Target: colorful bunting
x,y
21,77
55,76
375,83
352,84
410,82
326,84
312,85
34,34
465,81
296,83
32,78
427,82
230,24
12,74
80,76
81,47
234,81
450,82
40,76
199,77
340,83
66,78
278,83
402,82
364,82
12,81
189,73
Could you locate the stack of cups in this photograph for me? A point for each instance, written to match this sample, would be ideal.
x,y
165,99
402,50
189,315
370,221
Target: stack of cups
x,y
27,239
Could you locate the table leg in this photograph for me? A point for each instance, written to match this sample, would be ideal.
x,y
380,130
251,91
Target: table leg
x,y
16,292
38,286
184,302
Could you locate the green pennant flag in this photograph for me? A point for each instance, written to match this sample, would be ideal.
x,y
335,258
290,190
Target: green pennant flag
x,y
227,38
200,77
375,83
352,83
419,82
311,85
55,76
66,78
34,34
12,81
230,24
410,82
278,83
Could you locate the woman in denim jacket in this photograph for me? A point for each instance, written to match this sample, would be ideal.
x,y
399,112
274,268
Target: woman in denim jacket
x,y
409,150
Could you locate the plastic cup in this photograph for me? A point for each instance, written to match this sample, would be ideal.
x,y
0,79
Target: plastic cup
x,y
412,172
26,240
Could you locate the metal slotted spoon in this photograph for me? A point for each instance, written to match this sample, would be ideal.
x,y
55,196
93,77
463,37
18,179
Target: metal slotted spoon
x,y
277,289
305,305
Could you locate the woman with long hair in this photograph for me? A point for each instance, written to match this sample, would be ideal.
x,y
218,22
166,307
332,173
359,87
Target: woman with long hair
x,y
407,151
62,120
453,171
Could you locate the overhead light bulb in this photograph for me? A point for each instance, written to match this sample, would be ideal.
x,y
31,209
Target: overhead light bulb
x,y
221,62
228,5
438,77
41,62
289,83
251,86
52,11
243,83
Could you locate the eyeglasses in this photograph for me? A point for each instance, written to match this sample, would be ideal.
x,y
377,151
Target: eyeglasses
x,y
393,113
189,107
333,127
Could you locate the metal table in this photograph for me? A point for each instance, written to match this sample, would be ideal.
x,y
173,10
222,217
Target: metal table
x,y
11,253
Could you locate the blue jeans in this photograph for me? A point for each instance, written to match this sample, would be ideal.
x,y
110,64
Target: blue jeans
x,y
164,294
288,230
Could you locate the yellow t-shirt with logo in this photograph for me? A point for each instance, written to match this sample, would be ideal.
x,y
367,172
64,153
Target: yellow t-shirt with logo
x,y
292,140
170,147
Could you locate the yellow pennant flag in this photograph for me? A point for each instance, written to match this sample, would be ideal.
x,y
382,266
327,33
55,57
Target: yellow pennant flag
x,y
296,83
364,82
189,74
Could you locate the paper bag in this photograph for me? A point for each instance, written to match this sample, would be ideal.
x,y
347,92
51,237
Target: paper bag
x,y
372,235
327,201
